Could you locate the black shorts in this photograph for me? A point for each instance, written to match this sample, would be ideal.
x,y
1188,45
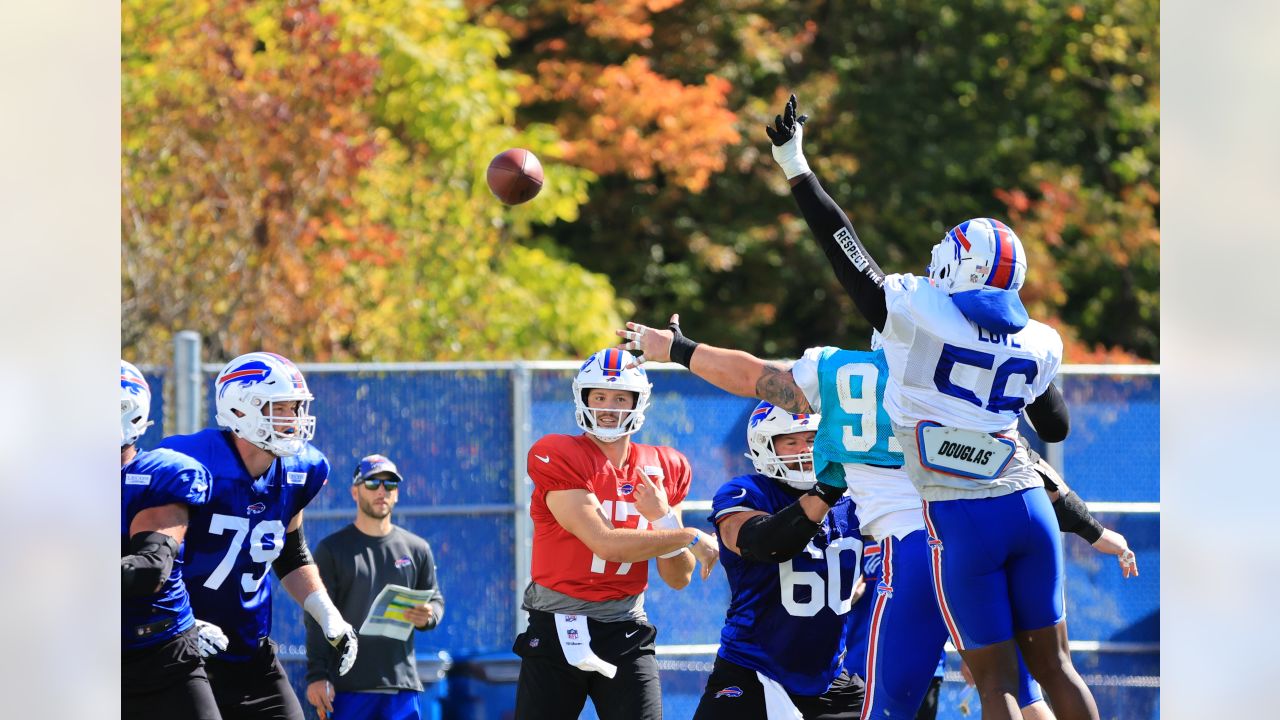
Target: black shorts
x,y
734,693
257,689
551,689
166,681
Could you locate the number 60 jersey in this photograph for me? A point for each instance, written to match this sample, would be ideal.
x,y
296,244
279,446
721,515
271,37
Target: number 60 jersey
x,y
232,540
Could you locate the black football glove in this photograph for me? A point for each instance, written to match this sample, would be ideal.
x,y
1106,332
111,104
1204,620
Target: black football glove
x,y
784,125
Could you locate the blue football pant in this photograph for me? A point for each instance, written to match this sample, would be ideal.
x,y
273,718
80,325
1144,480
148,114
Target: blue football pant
x,y
376,706
906,633
996,565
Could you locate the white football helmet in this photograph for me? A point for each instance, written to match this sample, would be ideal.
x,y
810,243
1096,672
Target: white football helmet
x,y
135,404
767,422
607,369
245,391
978,253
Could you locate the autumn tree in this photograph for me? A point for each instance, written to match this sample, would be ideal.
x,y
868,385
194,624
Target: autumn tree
x,y
309,178
924,114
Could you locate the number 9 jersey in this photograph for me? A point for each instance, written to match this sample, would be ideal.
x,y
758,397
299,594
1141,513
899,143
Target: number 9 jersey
x,y
232,540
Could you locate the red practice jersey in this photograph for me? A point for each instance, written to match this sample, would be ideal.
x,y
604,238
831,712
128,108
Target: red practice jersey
x,y
561,561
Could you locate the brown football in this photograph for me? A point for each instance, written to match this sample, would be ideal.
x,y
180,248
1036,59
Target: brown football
x,y
515,176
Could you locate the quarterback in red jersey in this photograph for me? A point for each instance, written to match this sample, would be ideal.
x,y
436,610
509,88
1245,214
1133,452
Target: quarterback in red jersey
x,y
601,508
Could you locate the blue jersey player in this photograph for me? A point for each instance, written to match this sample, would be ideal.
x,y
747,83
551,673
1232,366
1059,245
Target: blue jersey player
x,y
965,361
793,560
162,671
264,471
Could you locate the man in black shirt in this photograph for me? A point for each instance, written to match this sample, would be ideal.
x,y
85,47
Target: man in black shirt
x,y
356,563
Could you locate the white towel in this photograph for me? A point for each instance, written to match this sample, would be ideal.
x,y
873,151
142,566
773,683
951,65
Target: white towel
x,y
777,703
575,640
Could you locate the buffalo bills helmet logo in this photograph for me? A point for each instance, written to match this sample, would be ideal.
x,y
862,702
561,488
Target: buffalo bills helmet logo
x,y
254,371
256,508
626,488
135,384
404,562
760,413
732,691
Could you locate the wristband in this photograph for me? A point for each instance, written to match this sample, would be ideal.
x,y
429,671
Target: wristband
x,y
789,156
682,350
673,519
667,522
696,538
829,494
326,614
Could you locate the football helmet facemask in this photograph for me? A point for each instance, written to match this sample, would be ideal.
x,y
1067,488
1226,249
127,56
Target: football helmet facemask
x,y
249,391
769,421
135,404
607,369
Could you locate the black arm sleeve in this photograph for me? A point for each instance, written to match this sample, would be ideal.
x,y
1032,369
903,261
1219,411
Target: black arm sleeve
x,y
778,537
1048,415
293,555
150,561
855,269
1074,517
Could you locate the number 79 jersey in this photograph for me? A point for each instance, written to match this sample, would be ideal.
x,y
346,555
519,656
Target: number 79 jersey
x,y
232,540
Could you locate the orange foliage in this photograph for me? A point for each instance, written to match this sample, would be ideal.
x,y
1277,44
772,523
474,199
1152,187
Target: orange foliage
x,y
621,118
634,121
270,138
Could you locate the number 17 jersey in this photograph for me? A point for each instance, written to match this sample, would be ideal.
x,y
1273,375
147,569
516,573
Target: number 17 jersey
x,y
232,540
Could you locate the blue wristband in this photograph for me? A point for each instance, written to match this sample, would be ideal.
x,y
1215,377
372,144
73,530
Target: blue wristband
x,y
696,538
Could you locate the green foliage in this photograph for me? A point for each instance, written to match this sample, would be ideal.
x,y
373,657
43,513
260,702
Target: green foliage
x,y
310,179
924,113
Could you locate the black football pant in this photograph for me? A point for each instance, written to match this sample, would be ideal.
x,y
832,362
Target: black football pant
x,y
166,681
551,689
254,690
734,693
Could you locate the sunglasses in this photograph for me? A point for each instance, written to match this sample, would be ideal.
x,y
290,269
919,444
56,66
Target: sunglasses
x,y
373,483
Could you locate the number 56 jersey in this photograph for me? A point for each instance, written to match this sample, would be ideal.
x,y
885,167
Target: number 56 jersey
x,y
232,540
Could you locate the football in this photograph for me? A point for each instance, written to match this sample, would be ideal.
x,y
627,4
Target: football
x,y
515,176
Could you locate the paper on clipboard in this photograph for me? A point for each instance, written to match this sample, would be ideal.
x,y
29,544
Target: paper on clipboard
x,y
386,615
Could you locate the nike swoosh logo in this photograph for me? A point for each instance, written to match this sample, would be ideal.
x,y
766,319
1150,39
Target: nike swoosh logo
x,y
633,632
741,494
546,459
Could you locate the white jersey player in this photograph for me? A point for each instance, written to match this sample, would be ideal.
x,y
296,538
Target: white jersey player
x,y
964,362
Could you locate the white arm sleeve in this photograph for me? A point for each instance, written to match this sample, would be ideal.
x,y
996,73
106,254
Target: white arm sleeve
x,y
805,373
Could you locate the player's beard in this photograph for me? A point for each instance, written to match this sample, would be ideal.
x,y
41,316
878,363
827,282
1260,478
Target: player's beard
x,y
368,508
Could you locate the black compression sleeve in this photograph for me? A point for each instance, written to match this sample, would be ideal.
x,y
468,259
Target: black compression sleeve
x,y
1074,517
778,537
294,555
1048,414
148,565
855,269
